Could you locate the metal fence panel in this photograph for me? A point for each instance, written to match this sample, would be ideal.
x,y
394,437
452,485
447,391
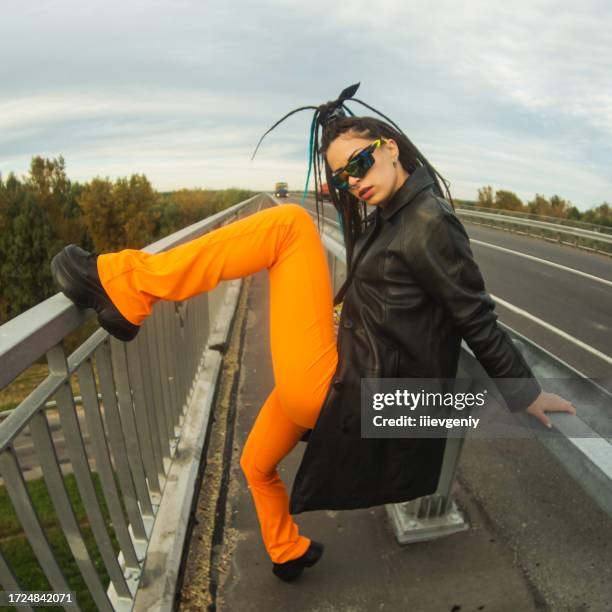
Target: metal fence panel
x,y
103,461
22,502
80,465
65,513
129,439
116,440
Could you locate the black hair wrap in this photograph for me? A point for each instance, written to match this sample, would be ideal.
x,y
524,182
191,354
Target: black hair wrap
x,y
330,111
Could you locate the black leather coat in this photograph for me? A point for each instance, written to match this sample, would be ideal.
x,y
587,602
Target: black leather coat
x,y
414,292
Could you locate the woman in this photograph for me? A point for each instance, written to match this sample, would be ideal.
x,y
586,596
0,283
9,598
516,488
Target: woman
x,y
317,386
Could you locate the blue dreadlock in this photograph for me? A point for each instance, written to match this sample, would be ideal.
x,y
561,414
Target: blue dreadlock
x,y
313,128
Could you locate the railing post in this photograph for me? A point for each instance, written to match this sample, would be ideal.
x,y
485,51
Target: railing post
x,y
432,516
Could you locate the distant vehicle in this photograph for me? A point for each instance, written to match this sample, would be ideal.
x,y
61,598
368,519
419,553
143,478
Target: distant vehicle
x,y
281,190
325,192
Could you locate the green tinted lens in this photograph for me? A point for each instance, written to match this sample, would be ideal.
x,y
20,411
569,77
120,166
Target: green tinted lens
x,y
357,167
360,164
339,181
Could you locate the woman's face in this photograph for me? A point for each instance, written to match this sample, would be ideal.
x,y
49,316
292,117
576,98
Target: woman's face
x,y
382,180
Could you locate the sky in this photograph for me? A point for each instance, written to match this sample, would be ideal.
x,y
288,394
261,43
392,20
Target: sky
x,y
516,95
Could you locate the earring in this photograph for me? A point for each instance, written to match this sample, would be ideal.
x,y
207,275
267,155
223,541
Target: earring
x,y
395,163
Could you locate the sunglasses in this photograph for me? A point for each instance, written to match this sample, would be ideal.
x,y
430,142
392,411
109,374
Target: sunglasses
x,y
357,166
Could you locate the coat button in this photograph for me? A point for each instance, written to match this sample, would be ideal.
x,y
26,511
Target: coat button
x,y
337,383
348,324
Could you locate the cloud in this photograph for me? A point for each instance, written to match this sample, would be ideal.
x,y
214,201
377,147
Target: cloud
x,y
515,95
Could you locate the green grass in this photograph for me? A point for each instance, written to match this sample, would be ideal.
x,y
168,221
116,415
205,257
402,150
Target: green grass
x,y
20,556
22,386
8,406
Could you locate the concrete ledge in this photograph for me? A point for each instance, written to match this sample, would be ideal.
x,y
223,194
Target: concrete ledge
x,y
157,586
159,581
225,317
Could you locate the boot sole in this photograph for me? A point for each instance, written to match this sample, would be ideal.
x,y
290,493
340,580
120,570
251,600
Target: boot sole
x,y
316,559
297,572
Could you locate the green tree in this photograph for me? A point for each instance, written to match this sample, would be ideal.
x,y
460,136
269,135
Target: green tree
x,y
138,213
559,207
184,207
194,204
506,200
602,215
102,221
539,205
57,196
169,217
120,215
485,197
25,277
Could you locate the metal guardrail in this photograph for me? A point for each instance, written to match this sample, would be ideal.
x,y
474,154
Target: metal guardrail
x,y
148,388
587,459
596,227
532,225
573,236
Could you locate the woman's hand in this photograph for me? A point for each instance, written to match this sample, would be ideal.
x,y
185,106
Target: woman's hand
x,y
549,402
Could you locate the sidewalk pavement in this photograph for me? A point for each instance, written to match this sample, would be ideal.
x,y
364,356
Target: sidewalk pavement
x,y
532,535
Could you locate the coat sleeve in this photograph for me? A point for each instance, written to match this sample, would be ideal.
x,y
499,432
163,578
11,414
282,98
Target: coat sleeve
x,y
443,264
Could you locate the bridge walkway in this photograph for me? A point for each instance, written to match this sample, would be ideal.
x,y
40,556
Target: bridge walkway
x,y
534,541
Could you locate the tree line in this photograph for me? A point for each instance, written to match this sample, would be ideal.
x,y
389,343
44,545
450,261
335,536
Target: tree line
x,y
44,211
555,206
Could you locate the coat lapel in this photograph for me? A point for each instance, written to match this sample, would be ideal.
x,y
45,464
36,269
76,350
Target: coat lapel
x,y
366,239
360,248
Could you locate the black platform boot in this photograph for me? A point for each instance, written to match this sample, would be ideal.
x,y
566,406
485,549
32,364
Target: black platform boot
x,y
290,570
75,272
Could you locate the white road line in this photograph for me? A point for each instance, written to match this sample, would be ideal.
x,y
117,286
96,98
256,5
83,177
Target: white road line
x,y
544,261
552,328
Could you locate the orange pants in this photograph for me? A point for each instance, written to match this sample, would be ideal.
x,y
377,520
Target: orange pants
x,y
283,239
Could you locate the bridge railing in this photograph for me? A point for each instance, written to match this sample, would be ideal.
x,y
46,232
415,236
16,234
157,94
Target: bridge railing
x,y
586,236
595,227
592,239
131,448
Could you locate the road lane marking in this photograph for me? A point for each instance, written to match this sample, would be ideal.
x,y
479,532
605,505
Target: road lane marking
x,y
552,328
544,261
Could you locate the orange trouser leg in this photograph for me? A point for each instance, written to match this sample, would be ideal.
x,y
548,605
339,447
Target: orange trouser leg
x,y
284,240
272,437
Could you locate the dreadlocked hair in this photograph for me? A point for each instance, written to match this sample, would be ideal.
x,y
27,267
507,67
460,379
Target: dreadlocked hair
x,y
352,212
334,118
